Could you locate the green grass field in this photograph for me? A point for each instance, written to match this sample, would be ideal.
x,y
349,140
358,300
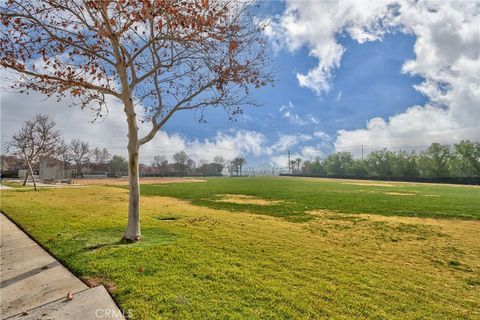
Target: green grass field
x,y
301,195
269,248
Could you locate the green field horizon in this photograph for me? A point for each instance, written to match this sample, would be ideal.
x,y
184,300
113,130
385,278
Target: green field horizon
x,y
268,247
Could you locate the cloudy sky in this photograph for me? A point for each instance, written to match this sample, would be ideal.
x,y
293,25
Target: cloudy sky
x,y
394,74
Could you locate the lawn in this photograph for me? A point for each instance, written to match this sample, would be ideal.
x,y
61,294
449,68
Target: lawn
x,y
269,248
301,195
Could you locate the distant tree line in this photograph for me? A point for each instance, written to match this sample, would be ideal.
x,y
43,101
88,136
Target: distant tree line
x,y
438,161
39,141
183,165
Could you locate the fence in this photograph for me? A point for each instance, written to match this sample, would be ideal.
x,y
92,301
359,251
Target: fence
x,y
450,180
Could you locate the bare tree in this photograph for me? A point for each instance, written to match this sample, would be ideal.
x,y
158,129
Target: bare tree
x,y
104,156
38,139
64,153
157,161
160,163
100,156
231,168
219,163
191,165
241,162
155,57
79,152
181,161
219,160
96,155
238,164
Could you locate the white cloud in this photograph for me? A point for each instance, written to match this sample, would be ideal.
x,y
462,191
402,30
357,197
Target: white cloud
x,y
73,122
322,135
112,134
317,23
285,107
227,145
447,56
414,129
310,152
112,131
279,161
308,147
288,113
286,141
240,142
323,146
339,96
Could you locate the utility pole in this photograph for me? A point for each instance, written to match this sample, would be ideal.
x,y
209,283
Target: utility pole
x,y
362,152
289,165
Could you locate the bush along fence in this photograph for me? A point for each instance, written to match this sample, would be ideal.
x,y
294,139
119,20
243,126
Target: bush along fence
x,y
449,180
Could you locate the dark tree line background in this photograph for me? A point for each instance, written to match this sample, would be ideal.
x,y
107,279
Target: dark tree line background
x,y
39,141
461,160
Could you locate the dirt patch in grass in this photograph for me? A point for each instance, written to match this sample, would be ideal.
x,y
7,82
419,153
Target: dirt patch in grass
x,y
244,199
400,194
96,281
373,184
441,240
322,212
198,219
166,218
390,183
124,181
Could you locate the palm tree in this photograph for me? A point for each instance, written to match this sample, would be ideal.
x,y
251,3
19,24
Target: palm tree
x,y
292,165
298,161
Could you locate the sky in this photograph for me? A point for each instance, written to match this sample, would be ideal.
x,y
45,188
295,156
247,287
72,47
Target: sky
x,y
382,74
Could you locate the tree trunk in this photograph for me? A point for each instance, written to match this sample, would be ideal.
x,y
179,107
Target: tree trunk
x,y
133,228
30,169
79,170
26,178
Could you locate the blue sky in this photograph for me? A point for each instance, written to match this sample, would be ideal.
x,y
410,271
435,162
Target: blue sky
x,y
369,83
394,73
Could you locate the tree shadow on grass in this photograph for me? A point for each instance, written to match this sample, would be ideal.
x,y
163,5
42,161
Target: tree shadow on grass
x,y
112,237
105,245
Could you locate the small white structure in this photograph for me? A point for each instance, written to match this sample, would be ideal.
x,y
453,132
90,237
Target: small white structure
x,y
22,173
55,173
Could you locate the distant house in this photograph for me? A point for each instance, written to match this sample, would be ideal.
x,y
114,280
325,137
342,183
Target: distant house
x,y
10,165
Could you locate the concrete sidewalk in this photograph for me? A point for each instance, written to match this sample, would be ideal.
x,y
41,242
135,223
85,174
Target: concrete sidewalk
x,y
34,285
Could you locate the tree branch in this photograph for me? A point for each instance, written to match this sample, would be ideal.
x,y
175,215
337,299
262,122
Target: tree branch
x,y
70,83
157,125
